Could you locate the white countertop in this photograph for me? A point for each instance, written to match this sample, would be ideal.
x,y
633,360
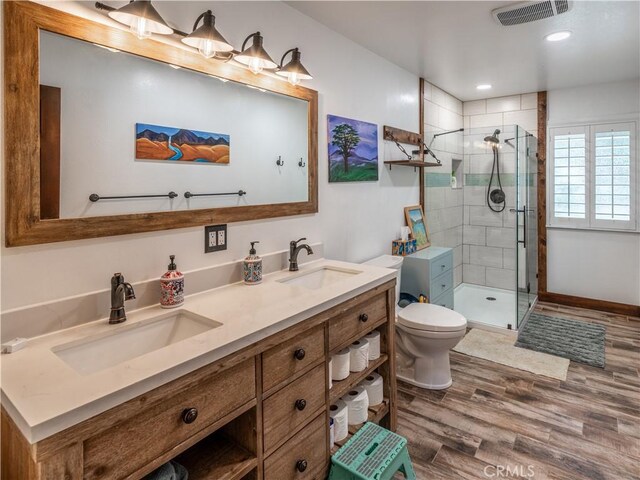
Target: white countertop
x,y
44,395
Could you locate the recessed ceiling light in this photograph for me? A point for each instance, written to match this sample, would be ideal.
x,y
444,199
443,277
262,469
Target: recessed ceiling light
x,y
175,67
557,36
483,86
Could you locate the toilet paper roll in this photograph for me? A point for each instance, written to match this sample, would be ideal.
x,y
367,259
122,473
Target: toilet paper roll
x,y
340,363
359,355
374,344
373,385
330,374
340,414
357,402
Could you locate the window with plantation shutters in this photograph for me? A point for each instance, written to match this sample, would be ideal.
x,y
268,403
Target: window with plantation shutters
x,y
569,175
612,178
592,172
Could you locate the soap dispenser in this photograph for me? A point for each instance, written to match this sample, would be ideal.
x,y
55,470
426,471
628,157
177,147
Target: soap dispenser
x,y
252,267
172,286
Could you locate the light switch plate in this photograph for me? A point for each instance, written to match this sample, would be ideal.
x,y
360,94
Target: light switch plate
x,y
215,238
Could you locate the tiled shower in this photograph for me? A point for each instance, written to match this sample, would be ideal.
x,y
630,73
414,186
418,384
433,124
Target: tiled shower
x,y
484,241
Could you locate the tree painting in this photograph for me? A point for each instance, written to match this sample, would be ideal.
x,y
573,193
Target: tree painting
x,y
353,150
346,138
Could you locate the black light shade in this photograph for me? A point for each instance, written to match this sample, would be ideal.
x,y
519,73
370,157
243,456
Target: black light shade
x,y
142,18
207,39
255,57
294,70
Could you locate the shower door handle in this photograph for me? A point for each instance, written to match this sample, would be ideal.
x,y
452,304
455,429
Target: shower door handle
x,y
524,211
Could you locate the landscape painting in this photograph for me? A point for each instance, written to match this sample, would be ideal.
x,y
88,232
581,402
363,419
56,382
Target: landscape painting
x,y
353,150
417,226
154,142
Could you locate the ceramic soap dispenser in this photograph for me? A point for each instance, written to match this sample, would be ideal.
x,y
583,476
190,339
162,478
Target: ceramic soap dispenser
x,y
252,267
172,286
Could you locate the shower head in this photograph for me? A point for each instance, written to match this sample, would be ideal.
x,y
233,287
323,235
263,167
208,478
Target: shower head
x,y
493,139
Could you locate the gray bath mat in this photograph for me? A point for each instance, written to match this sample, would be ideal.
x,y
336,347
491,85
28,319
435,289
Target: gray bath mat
x,y
579,341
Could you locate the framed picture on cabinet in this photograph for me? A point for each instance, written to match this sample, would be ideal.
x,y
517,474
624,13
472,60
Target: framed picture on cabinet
x,y
417,226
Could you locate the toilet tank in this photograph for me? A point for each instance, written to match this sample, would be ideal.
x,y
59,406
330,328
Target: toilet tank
x,y
389,261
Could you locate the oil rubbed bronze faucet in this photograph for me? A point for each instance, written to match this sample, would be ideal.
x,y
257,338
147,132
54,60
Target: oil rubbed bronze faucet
x,y
120,291
294,250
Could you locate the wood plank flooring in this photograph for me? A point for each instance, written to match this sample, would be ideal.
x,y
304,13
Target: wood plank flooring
x,y
496,417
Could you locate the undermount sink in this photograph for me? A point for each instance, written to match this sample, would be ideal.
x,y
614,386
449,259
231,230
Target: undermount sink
x,y
95,353
320,277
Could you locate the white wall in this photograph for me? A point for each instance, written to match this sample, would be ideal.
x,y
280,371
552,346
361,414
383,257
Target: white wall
x,y
356,221
592,264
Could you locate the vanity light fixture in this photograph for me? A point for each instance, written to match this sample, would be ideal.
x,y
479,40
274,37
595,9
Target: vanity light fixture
x,y
207,39
294,70
483,86
141,18
558,36
255,57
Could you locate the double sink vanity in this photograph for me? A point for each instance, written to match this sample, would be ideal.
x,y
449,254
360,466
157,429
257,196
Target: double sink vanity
x,y
233,385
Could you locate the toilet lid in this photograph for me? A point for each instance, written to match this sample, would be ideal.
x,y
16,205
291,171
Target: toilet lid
x,y
429,317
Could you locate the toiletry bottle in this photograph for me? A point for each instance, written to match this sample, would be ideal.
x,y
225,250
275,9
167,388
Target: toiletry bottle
x,y
252,267
172,286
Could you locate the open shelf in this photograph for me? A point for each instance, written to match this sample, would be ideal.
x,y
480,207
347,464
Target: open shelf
x,y
375,414
411,163
217,457
341,387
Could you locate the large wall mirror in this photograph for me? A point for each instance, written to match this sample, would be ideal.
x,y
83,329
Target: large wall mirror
x,y
142,135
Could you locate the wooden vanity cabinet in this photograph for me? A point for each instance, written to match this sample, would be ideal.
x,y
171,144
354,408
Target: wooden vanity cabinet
x,y
260,413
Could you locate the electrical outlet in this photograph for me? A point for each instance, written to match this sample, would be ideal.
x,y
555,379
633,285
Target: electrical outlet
x,y
215,238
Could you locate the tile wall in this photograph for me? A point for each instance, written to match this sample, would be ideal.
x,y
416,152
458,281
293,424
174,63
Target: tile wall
x,y
444,204
489,239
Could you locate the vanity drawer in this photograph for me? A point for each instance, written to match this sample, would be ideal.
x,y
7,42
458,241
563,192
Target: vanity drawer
x,y
441,284
306,451
287,359
295,404
141,438
440,265
444,300
357,321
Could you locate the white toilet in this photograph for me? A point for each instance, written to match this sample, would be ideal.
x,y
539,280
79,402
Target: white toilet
x,y
424,335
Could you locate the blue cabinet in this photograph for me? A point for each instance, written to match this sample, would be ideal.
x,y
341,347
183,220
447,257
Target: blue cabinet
x,y
430,272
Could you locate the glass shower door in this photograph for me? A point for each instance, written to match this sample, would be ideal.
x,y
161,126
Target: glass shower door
x,y
526,214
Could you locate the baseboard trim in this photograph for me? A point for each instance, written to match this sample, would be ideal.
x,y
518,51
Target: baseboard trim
x,y
591,303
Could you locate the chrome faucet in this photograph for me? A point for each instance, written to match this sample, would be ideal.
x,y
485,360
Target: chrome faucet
x,y
120,291
294,250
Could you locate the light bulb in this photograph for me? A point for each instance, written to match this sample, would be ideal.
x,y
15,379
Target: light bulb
x,y
294,79
206,49
139,28
255,65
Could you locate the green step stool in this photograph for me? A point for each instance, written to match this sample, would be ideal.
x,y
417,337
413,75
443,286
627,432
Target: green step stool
x,y
373,453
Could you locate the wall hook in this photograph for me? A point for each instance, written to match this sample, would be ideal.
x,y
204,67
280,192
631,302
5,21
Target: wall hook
x,y
280,162
301,163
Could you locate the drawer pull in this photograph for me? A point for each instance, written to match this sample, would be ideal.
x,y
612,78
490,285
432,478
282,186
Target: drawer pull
x,y
189,415
301,465
444,285
301,403
442,266
363,317
299,354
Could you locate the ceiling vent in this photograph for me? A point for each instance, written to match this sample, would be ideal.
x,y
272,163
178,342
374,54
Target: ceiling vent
x,y
530,11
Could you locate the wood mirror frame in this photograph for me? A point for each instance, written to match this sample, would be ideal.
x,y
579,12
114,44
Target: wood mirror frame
x,y
23,223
